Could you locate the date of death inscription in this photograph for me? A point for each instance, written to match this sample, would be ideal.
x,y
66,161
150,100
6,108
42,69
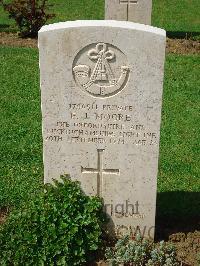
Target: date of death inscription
x,y
109,124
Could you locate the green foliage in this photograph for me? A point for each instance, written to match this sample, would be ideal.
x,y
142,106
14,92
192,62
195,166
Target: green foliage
x,y
163,255
29,15
129,251
198,258
141,252
60,227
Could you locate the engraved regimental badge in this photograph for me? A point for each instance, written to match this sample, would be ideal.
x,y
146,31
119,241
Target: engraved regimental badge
x,y
101,70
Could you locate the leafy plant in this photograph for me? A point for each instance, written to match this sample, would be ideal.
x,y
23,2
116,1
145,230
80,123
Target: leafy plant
x,y
163,255
141,252
29,15
60,227
198,258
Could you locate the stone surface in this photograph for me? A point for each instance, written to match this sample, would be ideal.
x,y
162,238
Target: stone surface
x,y
101,86
129,10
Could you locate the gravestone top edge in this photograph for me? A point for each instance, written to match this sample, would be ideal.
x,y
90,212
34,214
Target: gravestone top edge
x,y
101,98
103,23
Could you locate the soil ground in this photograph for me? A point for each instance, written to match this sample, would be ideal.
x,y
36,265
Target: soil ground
x,y
3,215
187,246
177,46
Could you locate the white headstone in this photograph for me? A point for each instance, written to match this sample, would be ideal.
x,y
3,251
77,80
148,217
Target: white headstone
x,y
101,85
129,10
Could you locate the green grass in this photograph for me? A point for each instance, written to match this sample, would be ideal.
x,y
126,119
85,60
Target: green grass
x,y
178,17
179,168
179,160
21,169
20,132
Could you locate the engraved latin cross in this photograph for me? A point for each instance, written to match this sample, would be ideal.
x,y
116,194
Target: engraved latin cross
x,y
128,3
99,171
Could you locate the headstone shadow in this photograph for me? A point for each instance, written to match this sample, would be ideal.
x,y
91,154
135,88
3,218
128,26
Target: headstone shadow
x,y
182,34
177,211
